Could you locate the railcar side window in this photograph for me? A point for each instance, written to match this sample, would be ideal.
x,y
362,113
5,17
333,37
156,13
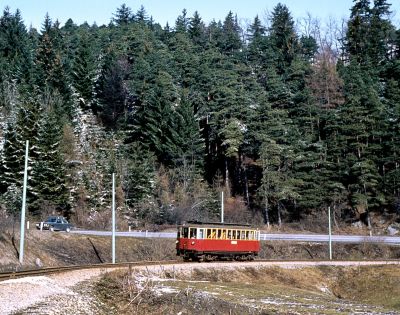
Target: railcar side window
x,y
192,232
223,236
233,234
200,233
211,233
251,235
219,233
229,234
185,232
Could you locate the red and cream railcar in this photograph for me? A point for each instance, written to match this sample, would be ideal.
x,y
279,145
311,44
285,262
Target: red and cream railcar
x,y
213,241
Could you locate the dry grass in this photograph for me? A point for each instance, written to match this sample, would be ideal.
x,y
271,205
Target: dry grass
x,y
326,290
61,249
374,285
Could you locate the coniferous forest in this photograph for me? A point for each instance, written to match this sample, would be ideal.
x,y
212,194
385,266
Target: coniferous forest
x,y
287,117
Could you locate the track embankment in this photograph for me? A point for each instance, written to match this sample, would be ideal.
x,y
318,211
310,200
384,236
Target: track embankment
x,y
25,289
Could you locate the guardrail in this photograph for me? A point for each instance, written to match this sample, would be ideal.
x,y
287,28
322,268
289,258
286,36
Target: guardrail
x,y
264,237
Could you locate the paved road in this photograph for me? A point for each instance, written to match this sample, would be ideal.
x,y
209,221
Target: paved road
x,y
264,237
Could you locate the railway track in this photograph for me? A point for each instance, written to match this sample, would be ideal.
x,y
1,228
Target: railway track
x,y
283,263
53,270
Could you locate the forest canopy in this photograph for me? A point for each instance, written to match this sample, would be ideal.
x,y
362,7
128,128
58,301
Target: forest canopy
x,y
287,118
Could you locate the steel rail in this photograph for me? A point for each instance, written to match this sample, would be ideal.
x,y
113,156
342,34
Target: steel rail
x,y
52,270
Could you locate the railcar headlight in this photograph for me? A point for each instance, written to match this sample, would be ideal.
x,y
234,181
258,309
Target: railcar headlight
x,y
193,243
176,241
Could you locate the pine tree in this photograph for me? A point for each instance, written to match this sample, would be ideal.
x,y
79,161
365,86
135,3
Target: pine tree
x,y
138,175
230,43
188,146
283,37
141,16
83,70
357,37
111,94
25,127
182,23
51,75
197,30
48,175
15,56
11,161
154,119
123,16
257,43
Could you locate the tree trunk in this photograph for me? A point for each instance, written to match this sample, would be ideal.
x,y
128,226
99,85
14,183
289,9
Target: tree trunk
x,y
245,181
227,186
246,187
334,217
266,211
279,214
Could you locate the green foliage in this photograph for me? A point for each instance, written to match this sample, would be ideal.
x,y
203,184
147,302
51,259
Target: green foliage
x,y
48,175
83,70
283,37
138,174
123,16
12,200
15,55
180,112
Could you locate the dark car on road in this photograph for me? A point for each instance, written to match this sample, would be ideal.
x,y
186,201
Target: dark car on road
x,y
55,223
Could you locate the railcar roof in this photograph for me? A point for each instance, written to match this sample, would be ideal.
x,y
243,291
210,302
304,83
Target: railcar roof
x,y
217,225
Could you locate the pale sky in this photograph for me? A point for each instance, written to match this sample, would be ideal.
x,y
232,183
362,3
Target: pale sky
x,y
101,11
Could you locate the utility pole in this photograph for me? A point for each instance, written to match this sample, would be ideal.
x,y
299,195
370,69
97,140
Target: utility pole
x,y
21,241
113,218
222,207
330,233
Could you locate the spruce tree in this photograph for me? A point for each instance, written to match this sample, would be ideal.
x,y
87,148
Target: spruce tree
x,y
83,71
197,30
15,55
283,37
138,175
230,43
123,16
111,93
48,175
182,23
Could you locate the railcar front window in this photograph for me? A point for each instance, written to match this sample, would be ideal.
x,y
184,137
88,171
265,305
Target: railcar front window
x,y
185,233
251,235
